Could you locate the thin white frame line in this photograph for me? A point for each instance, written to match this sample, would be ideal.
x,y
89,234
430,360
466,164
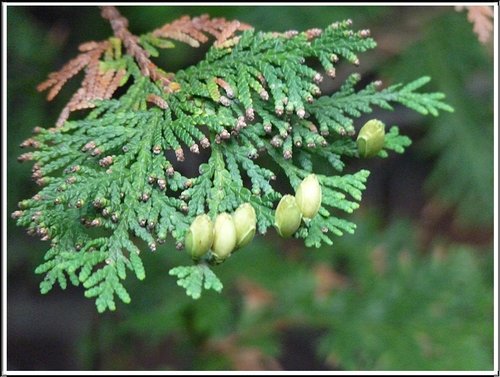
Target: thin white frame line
x,y
4,178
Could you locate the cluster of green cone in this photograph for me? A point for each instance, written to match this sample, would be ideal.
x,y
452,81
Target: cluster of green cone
x,y
226,234
231,232
304,205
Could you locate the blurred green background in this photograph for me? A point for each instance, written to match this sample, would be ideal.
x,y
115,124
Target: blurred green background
x,y
412,289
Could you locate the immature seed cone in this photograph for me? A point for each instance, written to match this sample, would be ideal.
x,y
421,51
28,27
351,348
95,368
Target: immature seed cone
x,y
200,236
245,221
224,236
371,138
288,216
308,196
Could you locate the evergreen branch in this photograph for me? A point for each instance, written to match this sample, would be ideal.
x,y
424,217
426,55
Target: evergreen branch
x,y
335,113
252,101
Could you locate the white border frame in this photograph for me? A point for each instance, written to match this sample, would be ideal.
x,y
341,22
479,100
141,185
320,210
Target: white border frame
x,y
4,217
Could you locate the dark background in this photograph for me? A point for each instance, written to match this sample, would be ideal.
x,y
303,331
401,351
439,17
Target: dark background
x,y
410,290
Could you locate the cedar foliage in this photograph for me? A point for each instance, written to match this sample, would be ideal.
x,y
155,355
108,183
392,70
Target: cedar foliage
x,y
108,180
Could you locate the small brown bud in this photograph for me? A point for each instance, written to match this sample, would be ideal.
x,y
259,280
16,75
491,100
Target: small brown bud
x,y
42,181
205,143
276,141
194,148
179,154
364,33
313,33
240,123
162,184
90,145
106,161
318,78
224,134
249,114
169,171
157,149
96,222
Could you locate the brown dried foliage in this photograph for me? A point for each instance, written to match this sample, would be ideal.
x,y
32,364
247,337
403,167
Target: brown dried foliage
x,y
191,30
119,24
482,19
97,84
101,84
